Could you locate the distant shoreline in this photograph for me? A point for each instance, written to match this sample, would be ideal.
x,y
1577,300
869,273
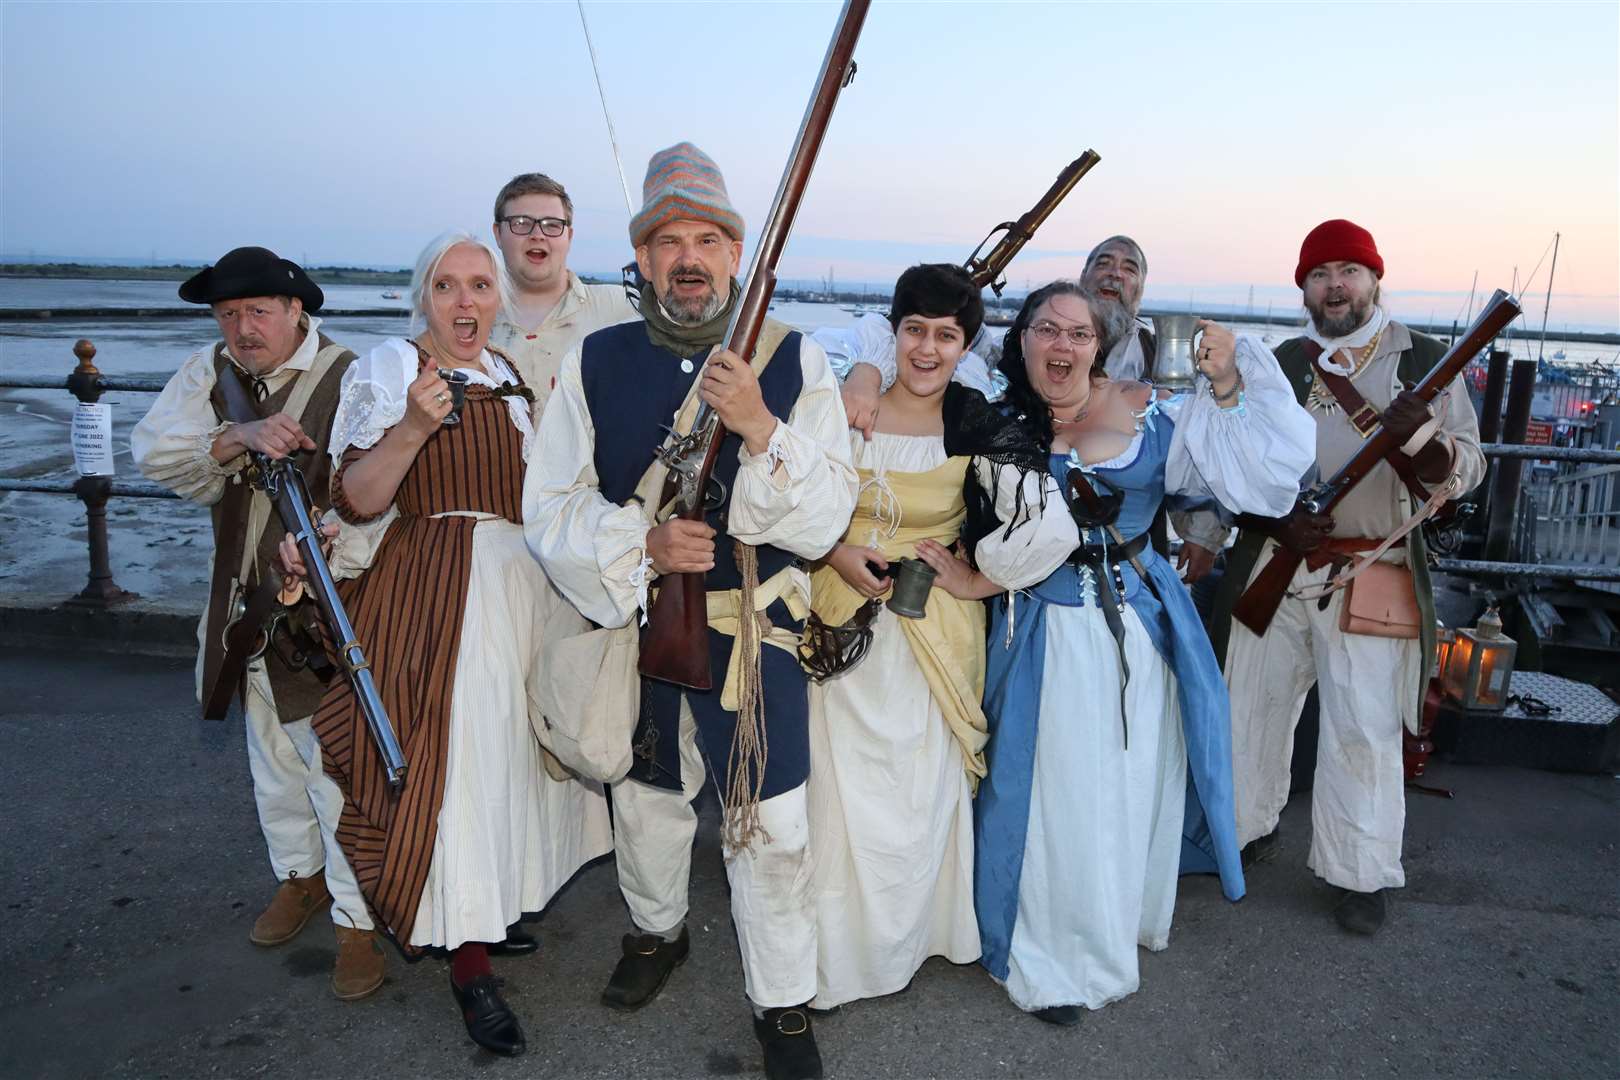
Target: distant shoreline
x,y
322,275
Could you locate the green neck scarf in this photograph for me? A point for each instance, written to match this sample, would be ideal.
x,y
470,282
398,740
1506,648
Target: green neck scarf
x,y
678,338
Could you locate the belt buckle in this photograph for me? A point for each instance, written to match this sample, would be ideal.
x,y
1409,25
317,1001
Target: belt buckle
x,y
1365,420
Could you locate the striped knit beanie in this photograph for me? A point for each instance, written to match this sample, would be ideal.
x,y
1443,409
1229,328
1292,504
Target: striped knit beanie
x,y
683,184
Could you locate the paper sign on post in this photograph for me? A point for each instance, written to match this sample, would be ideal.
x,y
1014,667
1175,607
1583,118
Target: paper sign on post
x,y
92,439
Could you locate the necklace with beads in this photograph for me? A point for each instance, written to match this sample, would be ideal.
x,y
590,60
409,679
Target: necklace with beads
x,y
1321,398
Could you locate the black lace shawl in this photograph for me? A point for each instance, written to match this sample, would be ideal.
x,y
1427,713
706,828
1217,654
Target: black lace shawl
x,y
1001,434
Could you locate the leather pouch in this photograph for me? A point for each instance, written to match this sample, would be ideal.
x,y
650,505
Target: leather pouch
x,y
1381,601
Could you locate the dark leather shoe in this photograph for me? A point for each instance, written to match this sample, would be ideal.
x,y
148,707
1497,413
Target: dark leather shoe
x,y
518,943
1061,1015
789,1043
1362,912
489,1021
1262,848
644,968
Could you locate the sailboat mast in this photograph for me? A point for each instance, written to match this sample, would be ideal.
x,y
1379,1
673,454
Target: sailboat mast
x,y
1553,270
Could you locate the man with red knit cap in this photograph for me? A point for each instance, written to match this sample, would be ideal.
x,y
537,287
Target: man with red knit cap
x,y
1349,369
787,489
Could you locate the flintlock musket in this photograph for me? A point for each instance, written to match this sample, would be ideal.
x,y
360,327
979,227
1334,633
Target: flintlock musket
x,y
674,646
1015,234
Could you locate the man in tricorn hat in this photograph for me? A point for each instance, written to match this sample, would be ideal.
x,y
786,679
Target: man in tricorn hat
x,y
785,463
1349,370
272,343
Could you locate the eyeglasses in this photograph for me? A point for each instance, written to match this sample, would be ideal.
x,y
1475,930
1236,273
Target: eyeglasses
x,y
523,225
1047,334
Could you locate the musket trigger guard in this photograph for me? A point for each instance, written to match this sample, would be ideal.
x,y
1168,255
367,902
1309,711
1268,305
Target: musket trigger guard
x,y
715,495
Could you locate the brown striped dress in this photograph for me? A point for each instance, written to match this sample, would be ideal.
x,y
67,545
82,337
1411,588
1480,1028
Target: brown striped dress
x,y
452,612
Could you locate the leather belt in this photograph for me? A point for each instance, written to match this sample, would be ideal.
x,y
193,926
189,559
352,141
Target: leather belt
x,y
1339,549
1094,555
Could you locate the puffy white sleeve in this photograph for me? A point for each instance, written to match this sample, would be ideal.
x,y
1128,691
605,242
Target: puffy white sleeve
x,y
173,442
593,550
799,494
355,545
372,396
1250,458
870,341
1042,538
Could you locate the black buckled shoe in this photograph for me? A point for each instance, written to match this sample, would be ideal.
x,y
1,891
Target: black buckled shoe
x,y
1059,1015
489,1020
518,943
1362,912
644,968
1262,848
789,1043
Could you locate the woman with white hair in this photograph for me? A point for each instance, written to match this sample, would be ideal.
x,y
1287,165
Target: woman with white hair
x,y
433,433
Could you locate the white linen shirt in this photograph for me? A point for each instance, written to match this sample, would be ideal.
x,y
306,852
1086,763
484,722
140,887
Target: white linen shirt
x,y
172,443
538,352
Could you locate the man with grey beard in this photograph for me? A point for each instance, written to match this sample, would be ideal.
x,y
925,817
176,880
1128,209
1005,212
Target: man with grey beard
x,y
1370,669
787,491
1116,270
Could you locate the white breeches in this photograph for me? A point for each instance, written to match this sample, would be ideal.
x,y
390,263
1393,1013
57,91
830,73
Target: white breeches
x,y
298,803
1366,686
771,902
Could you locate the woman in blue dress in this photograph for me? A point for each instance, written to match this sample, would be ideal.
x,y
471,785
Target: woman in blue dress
x,y
1110,734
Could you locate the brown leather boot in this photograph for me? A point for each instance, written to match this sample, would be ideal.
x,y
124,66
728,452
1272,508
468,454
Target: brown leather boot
x,y
295,901
360,963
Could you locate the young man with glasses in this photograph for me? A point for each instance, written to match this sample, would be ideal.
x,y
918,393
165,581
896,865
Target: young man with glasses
x,y
551,308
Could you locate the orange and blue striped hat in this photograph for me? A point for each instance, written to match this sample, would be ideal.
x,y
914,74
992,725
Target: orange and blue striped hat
x,y
683,184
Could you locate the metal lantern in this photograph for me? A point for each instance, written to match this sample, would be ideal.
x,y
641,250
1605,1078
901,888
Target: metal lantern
x,y
1479,667
1444,636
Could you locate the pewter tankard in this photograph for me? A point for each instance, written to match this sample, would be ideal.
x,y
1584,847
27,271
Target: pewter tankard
x,y
1174,363
913,580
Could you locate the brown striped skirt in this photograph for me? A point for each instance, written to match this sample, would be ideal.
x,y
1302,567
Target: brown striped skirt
x,y
407,611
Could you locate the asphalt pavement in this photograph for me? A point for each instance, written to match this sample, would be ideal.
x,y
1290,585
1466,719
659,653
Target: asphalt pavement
x,y
132,867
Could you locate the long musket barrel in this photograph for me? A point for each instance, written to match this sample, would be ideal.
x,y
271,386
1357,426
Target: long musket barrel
x,y
1259,602
987,271
284,485
674,647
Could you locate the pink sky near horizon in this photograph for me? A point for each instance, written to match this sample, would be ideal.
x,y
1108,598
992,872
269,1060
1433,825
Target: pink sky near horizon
x,y
1462,135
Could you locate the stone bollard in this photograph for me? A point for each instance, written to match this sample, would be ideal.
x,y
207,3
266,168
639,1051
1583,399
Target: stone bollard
x,y
101,590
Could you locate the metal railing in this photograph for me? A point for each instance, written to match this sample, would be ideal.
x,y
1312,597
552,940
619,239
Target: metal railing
x,y
88,384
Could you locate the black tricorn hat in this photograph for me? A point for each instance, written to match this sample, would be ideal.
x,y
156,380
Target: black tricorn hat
x,y
251,271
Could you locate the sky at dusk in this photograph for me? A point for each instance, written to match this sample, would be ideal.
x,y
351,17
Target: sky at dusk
x,y
1463,135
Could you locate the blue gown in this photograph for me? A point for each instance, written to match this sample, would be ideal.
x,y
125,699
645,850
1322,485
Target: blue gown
x,y
1107,855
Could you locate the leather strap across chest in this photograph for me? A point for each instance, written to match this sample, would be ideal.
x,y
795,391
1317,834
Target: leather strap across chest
x,y
1364,418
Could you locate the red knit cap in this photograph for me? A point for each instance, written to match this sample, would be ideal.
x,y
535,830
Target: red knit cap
x,y
1337,241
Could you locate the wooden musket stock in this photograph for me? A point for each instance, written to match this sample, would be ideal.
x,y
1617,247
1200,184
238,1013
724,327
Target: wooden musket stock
x,y
1015,234
674,646
1259,602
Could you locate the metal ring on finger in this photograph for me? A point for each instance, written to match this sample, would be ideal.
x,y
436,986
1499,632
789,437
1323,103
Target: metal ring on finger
x,y
441,397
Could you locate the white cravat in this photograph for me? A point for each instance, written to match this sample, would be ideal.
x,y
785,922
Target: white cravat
x,y
1356,339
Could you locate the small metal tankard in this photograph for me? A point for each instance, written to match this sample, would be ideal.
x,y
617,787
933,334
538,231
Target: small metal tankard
x,y
1175,363
913,579
457,382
